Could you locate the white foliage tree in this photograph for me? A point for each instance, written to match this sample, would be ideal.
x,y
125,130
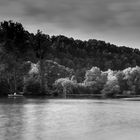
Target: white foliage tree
x,y
65,85
95,79
111,87
132,76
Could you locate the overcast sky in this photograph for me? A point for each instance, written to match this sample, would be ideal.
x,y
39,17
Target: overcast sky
x,y
114,21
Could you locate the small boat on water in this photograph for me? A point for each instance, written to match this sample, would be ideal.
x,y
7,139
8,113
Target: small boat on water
x,y
15,95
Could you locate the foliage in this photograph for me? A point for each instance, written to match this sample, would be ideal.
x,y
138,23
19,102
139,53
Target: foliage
x,y
65,86
4,88
54,71
59,84
108,83
13,49
32,86
87,60
14,37
95,79
111,88
132,77
83,89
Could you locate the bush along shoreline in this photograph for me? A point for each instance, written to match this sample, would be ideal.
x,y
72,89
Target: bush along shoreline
x,y
103,84
97,84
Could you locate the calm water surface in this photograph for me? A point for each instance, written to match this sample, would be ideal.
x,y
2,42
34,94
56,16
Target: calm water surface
x,y
53,119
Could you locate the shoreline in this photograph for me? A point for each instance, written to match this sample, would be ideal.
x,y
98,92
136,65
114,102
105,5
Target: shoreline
x,y
77,96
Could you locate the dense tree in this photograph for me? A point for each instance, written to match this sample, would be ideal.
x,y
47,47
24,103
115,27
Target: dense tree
x,y
14,46
40,44
18,46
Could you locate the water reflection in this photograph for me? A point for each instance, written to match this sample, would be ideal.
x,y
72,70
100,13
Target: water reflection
x,y
41,119
11,121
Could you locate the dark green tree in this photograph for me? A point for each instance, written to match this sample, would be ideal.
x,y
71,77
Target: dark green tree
x,y
14,40
41,44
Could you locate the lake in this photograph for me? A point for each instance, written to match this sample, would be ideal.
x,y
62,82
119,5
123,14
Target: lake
x,y
69,119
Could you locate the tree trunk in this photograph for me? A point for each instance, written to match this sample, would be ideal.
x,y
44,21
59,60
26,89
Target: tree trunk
x,y
42,75
15,81
9,83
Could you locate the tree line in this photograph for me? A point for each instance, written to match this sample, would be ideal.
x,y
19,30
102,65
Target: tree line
x,y
18,46
108,83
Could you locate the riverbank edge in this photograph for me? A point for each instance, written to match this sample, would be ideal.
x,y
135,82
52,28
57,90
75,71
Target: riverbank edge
x,y
76,96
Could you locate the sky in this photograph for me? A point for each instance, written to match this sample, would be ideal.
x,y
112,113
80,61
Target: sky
x,y
114,21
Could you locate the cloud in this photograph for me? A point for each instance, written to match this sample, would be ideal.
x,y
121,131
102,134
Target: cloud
x,y
97,17
126,14
76,13
89,14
